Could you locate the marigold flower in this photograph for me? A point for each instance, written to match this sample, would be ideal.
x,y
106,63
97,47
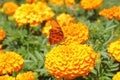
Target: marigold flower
x,y
111,13
10,7
46,29
114,49
2,34
30,1
6,77
61,2
25,76
33,14
65,19
70,61
116,76
10,62
75,33
117,12
1,49
90,4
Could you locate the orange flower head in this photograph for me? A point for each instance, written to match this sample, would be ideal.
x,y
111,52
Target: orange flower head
x,y
70,61
33,14
110,13
6,77
90,4
10,7
117,12
25,76
30,1
65,19
61,2
116,76
2,34
114,49
75,33
10,62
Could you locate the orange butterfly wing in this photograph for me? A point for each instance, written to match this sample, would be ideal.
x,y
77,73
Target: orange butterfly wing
x,y
56,35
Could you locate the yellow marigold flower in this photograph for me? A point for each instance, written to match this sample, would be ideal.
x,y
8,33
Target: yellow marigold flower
x,y
114,49
90,4
61,2
6,77
75,33
70,61
2,34
25,76
46,28
65,19
10,62
33,14
116,76
10,7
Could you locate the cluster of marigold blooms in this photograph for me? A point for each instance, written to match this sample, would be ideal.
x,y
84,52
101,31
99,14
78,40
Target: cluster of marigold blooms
x,y
111,13
11,62
73,59
70,60
34,14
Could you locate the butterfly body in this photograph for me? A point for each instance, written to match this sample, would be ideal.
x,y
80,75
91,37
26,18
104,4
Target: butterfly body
x,y
56,35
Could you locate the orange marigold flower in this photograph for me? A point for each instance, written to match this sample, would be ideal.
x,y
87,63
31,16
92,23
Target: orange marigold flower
x,y
1,50
2,34
61,2
117,12
90,4
10,7
65,19
10,62
30,1
116,76
33,14
111,13
106,13
114,49
70,61
6,77
26,76
75,33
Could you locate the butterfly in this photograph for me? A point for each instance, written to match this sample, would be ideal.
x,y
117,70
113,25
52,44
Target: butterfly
x,y
56,34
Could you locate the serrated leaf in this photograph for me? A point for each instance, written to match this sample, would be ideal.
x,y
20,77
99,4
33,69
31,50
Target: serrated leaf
x,y
114,65
32,57
94,71
28,61
105,78
109,74
114,69
39,56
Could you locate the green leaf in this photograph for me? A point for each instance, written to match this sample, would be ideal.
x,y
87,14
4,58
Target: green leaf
x,y
32,57
39,56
